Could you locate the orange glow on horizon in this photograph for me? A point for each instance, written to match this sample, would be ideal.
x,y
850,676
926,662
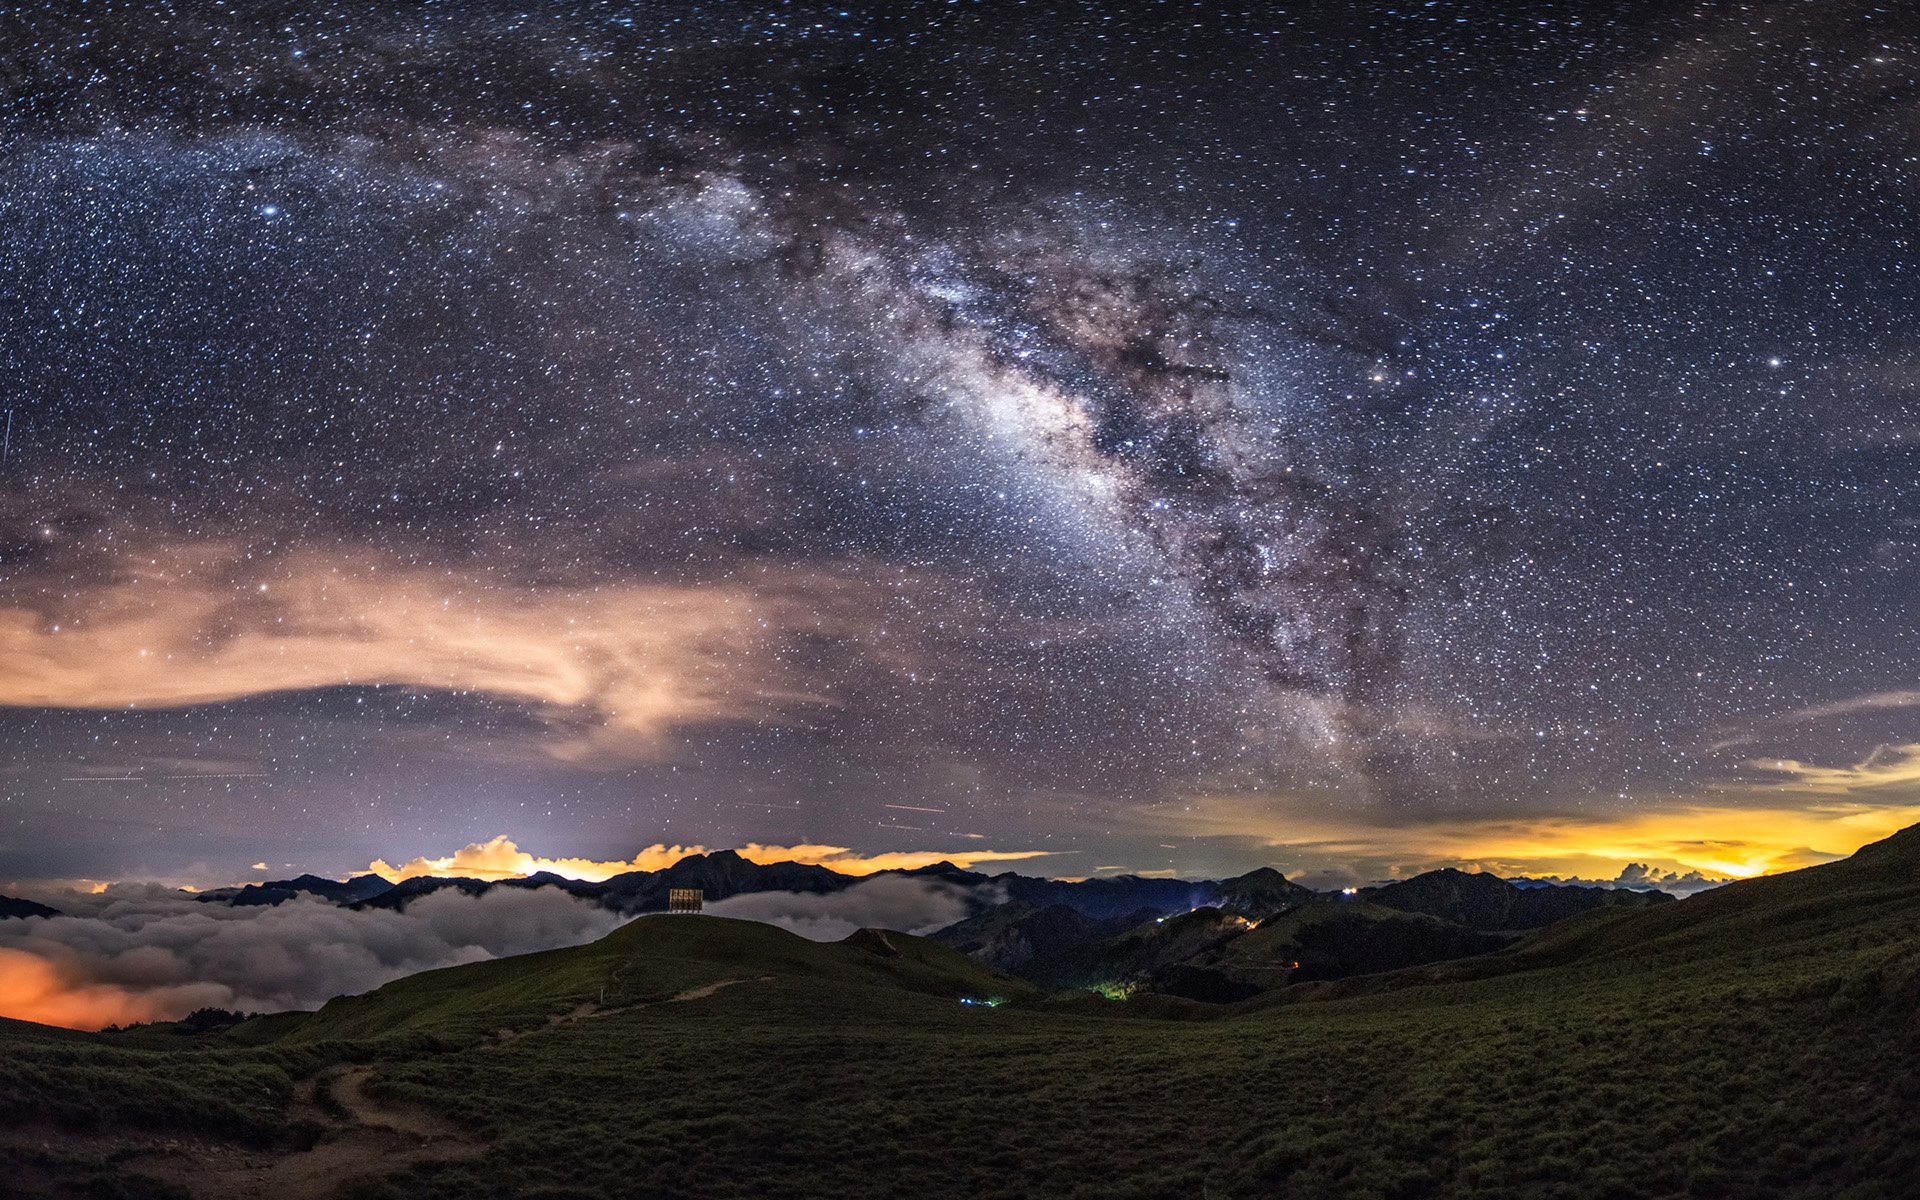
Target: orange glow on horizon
x,y
501,858
1717,838
33,989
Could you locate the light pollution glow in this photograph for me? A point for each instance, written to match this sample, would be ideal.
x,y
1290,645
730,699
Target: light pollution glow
x,y
1734,830
33,989
501,858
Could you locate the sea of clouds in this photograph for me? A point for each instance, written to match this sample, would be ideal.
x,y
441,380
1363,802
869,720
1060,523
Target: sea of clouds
x,y
144,952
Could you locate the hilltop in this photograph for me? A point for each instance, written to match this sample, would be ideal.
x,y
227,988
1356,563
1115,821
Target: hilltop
x,y
645,962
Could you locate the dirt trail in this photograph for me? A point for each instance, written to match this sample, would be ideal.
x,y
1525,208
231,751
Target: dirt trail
x,y
348,1090
593,1012
701,993
361,1134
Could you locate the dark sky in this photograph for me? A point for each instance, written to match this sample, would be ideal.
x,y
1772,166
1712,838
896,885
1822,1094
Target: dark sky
x,y
1168,436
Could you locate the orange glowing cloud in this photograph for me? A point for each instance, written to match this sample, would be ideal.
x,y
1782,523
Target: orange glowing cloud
x,y
501,858
34,989
613,669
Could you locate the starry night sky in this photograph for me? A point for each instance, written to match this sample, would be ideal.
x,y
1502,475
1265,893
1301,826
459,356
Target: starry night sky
x,y
1170,436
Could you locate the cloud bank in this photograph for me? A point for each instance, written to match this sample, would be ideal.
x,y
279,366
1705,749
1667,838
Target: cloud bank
x,y
141,952
144,953
907,905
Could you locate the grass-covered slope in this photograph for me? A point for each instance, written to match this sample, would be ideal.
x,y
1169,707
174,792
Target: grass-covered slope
x,y
1757,1041
1761,1044
646,961
1323,939
59,1079
1845,926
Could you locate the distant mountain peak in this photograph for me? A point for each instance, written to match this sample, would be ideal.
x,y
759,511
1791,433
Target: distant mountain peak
x,y
1262,873
1482,901
10,907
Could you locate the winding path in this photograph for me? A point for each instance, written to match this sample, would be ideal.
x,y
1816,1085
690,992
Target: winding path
x,y
362,1135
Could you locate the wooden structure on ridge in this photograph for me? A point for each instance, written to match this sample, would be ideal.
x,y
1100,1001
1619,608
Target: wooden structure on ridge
x,y
685,900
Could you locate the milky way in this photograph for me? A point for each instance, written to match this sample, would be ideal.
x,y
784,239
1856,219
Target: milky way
x,y
1128,433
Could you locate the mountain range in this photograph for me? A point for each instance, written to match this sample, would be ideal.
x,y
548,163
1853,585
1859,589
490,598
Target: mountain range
x,y
1213,940
726,873
1753,1041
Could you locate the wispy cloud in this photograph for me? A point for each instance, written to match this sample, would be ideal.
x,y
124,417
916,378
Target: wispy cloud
x,y
1854,704
612,670
909,905
1888,768
1845,707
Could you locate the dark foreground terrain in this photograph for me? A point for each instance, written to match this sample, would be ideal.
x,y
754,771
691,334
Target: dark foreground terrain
x,y
1759,1040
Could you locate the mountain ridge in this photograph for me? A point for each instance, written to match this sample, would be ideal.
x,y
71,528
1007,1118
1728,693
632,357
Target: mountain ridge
x,y
721,874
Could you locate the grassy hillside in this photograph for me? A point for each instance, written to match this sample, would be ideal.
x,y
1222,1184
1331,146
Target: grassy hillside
x,y
1755,1041
647,961
56,1078
1323,939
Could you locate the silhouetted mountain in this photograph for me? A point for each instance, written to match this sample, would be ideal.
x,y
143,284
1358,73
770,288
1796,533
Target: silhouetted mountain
x,y
1482,901
1012,936
944,870
10,907
725,873
408,890
1109,897
1143,950
719,875
1265,932
1262,892
1329,938
279,891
